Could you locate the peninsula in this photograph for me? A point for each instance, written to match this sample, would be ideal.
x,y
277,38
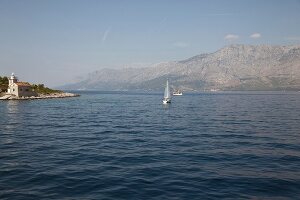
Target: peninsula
x,y
12,89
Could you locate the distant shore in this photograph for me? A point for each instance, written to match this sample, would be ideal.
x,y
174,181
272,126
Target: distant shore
x,y
40,96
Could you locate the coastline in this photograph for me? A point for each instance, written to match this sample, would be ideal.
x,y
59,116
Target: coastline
x,y
40,96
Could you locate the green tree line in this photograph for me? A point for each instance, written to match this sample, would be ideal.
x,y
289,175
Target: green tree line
x,y
3,80
3,83
41,89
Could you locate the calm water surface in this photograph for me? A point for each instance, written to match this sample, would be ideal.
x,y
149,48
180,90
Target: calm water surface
x,y
129,146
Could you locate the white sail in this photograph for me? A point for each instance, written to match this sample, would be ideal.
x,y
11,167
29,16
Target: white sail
x,y
167,94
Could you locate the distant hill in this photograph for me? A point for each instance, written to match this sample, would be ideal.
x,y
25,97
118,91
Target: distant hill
x,y
236,67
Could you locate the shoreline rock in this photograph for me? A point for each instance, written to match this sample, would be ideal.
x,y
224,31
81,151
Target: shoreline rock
x,y
40,96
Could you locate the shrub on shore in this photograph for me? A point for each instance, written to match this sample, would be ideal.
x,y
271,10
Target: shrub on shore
x,y
41,89
3,84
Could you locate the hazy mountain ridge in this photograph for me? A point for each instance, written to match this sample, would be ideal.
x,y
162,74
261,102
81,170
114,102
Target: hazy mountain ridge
x,y
236,67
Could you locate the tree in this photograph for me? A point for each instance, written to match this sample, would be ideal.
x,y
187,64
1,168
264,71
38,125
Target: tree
x,y
4,80
3,84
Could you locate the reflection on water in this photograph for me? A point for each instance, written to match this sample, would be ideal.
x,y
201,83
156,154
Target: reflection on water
x,y
12,106
11,115
11,119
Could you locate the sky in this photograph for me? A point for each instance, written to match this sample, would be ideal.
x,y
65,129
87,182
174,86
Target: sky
x,y
57,41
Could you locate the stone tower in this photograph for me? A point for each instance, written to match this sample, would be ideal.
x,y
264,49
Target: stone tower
x,y
13,79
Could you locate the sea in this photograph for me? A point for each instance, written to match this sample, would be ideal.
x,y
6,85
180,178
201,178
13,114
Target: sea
x,y
128,145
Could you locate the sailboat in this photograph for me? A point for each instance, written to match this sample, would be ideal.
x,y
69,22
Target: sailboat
x,y
167,94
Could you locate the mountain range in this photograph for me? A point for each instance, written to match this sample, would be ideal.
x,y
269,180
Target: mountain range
x,y
235,67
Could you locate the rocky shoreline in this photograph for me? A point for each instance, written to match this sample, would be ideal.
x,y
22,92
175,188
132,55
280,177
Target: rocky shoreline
x,y
40,96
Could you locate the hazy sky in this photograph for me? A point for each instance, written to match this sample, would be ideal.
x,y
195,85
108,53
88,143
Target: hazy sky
x,y
54,41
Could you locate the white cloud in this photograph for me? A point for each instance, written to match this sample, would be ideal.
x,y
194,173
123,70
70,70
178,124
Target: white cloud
x,y
104,37
255,35
181,44
231,37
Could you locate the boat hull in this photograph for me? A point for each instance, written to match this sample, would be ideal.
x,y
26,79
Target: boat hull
x,y
166,101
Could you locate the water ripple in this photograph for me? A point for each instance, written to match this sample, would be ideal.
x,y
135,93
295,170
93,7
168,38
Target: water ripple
x,y
107,145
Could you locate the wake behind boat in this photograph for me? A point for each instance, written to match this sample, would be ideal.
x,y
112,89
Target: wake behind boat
x,y
167,94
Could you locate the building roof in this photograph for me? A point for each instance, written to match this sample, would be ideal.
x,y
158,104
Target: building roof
x,y
23,84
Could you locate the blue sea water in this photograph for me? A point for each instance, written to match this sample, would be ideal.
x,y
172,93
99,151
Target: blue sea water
x,y
117,145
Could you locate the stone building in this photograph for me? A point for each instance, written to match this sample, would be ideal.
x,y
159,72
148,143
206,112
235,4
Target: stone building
x,y
19,89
